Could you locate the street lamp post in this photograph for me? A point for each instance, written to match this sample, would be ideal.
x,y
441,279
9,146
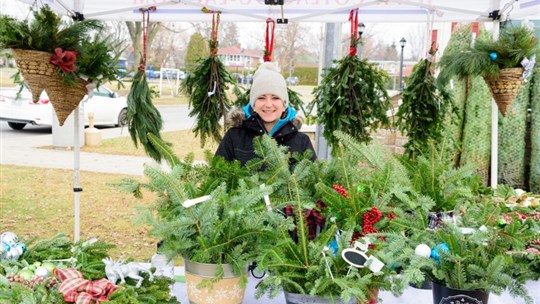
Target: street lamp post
x,y
402,43
361,28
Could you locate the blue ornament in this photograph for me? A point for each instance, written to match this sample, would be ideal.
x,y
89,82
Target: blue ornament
x,y
493,56
333,246
436,251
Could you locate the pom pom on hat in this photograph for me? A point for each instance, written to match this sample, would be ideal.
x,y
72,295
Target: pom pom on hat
x,y
268,80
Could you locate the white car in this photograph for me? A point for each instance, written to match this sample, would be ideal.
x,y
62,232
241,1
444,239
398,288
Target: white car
x,y
107,106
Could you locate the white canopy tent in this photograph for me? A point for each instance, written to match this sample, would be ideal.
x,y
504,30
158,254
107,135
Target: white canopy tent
x,y
300,10
330,11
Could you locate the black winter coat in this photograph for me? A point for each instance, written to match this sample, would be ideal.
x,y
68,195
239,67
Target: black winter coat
x,y
237,144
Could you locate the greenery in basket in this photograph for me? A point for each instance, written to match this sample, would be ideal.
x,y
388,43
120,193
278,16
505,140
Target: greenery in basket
x,y
46,31
489,56
352,98
228,228
477,257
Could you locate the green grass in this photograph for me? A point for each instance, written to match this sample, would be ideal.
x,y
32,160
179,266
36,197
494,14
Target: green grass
x,y
37,202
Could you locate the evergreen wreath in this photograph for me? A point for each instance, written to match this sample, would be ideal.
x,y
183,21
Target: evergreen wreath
x,y
143,118
207,88
425,104
352,97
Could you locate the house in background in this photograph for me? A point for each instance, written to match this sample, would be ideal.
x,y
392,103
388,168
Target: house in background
x,y
240,61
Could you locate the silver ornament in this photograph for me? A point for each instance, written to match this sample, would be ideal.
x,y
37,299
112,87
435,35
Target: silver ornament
x,y
9,238
42,272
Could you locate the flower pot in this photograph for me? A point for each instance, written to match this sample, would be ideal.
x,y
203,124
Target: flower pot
x,y
297,298
447,295
224,291
506,87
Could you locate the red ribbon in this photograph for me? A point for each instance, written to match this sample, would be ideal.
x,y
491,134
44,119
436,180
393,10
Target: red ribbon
x,y
75,289
145,21
269,38
353,18
64,60
215,26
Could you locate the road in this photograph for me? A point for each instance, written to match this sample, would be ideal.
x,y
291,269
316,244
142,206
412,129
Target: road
x,y
18,147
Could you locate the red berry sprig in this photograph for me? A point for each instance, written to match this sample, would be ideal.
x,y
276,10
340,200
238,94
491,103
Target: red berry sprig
x,y
340,190
370,219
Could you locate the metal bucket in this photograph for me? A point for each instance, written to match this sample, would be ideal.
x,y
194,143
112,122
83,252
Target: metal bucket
x,y
224,291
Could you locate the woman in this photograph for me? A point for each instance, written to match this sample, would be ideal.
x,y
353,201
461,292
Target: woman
x,y
268,112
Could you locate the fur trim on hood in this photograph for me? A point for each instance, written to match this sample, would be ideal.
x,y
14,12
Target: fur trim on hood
x,y
236,116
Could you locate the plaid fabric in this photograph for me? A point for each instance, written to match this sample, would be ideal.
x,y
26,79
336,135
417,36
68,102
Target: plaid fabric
x,y
80,291
437,219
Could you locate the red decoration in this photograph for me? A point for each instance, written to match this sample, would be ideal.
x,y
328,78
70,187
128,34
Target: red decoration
x,y
340,190
78,290
214,33
269,38
64,60
371,218
145,22
353,18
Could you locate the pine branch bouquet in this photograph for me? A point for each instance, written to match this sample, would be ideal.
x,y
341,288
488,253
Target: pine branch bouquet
x,y
59,56
352,98
501,62
425,105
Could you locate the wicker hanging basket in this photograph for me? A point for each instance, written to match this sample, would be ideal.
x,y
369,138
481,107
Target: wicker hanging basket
x,y
505,88
39,74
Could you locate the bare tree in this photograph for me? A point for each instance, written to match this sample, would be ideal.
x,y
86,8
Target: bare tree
x,y
416,39
135,32
228,34
289,42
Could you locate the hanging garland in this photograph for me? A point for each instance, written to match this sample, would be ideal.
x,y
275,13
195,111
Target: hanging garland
x,y
242,97
143,118
352,97
207,89
421,116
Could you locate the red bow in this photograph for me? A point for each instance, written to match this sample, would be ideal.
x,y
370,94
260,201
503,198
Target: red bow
x,y
78,290
64,60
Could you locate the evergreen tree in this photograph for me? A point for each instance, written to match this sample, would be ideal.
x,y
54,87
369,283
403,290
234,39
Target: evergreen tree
x,y
197,49
229,34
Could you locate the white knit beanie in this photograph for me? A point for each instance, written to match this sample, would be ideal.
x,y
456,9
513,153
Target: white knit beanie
x,y
268,80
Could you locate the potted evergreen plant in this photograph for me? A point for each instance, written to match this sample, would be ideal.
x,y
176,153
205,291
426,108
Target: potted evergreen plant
x,y
214,217
312,263
468,262
58,56
504,63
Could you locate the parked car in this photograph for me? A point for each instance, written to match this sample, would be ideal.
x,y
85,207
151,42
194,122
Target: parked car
x,y
292,80
107,106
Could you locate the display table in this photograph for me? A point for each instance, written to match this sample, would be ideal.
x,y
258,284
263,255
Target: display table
x,y
410,295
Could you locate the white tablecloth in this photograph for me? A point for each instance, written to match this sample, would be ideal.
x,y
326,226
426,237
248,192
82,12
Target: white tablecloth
x,y
409,296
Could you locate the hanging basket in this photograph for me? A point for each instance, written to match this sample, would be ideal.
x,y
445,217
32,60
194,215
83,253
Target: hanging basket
x,y
505,88
39,74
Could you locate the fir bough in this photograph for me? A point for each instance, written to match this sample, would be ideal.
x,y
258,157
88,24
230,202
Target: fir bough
x,y
352,98
421,116
488,56
143,117
207,89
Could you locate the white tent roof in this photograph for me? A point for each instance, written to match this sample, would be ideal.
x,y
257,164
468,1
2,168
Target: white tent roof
x,y
301,10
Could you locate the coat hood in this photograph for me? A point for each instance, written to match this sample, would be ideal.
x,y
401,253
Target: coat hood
x,y
236,117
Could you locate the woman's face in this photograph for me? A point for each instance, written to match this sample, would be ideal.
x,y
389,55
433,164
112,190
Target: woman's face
x,y
269,107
